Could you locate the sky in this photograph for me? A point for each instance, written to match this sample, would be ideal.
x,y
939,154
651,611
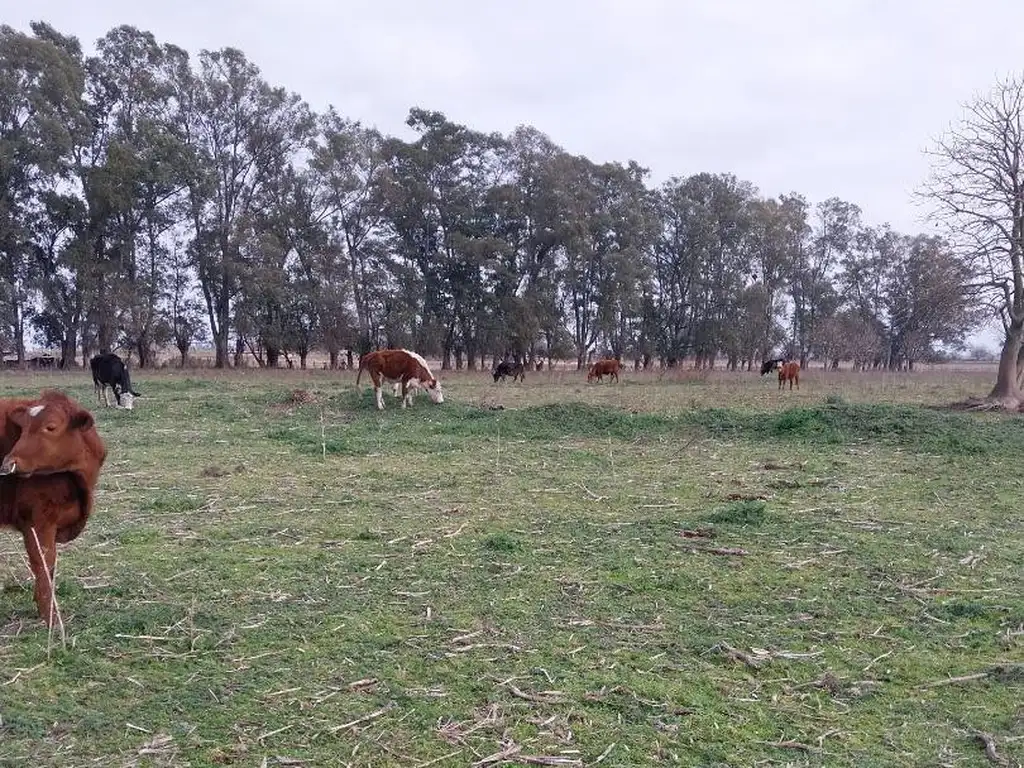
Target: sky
x,y
825,98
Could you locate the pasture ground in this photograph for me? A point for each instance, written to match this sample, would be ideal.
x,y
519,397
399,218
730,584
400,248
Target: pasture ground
x,y
680,570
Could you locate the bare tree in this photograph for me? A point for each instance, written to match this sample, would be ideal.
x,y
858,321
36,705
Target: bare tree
x,y
977,190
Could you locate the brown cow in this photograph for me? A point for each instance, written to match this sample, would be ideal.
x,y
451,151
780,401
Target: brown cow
x,y
606,367
403,367
52,459
789,371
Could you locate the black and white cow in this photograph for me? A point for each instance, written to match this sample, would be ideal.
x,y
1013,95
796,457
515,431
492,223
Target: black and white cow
x,y
109,370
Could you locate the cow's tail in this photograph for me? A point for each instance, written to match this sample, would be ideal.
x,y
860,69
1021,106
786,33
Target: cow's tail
x,y
360,374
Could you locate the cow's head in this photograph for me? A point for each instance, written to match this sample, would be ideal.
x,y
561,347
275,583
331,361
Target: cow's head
x,y
125,399
433,387
53,436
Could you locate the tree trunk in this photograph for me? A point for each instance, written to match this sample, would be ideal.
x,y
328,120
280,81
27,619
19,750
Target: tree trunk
x,y
1007,391
68,348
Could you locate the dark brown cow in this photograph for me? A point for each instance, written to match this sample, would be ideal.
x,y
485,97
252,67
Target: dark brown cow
x,y
606,367
52,457
770,365
789,372
402,367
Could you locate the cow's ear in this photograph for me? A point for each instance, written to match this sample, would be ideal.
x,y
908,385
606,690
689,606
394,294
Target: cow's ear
x,y
81,420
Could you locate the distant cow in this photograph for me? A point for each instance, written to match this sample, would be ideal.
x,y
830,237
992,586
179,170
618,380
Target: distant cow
x,y
606,367
516,370
52,457
43,361
109,370
540,365
789,372
400,366
770,365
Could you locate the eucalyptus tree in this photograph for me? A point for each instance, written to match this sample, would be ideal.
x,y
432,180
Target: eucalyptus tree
x,y
701,263
140,182
836,223
41,85
346,166
606,238
432,191
243,132
526,214
928,300
778,233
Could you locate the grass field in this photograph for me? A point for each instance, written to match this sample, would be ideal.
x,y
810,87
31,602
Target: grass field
x,y
693,570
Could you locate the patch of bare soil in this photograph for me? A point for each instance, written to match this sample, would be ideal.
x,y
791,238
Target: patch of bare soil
x,y
300,397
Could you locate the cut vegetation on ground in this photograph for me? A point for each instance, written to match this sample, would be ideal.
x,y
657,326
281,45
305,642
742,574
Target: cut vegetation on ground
x,y
666,571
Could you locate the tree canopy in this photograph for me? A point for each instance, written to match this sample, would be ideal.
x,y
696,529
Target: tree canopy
x,y
154,199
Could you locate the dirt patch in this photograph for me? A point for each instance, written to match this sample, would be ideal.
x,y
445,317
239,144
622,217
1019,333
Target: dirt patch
x,y
980,405
300,397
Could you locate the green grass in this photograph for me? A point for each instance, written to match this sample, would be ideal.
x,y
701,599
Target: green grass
x,y
699,572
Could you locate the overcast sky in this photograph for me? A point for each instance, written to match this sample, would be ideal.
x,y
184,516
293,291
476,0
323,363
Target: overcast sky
x,y
821,97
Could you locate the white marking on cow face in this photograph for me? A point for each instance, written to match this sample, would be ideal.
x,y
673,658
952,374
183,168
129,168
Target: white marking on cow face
x,y
436,394
35,410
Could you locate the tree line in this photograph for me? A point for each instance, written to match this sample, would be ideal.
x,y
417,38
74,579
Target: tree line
x,y
150,198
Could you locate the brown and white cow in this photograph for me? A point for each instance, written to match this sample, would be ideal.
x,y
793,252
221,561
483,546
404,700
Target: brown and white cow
x,y
52,457
606,367
402,367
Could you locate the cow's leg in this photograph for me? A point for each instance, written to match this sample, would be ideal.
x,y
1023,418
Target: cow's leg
x,y
406,394
379,396
41,546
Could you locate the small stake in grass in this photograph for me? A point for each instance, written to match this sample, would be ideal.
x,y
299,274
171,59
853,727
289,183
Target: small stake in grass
x,y
323,434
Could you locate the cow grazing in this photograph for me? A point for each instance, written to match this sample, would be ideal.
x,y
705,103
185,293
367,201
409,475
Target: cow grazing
x,y
790,372
770,365
109,370
505,368
52,456
607,367
403,367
